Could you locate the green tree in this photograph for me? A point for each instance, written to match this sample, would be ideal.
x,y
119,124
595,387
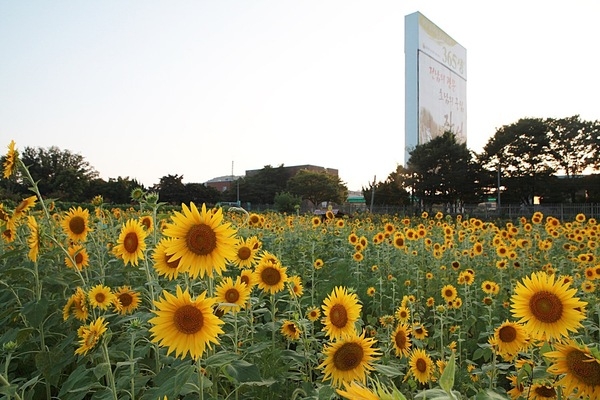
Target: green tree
x,y
572,149
60,174
261,187
200,193
171,189
116,190
287,202
443,171
318,187
520,154
393,191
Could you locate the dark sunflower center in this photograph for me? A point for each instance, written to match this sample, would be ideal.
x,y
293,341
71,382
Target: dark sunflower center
x,y
126,299
292,328
348,356
418,331
130,243
507,334
400,339
338,316
245,280
100,297
421,365
270,276
78,258
545,392
546,307
201,239
174,264
77,225
448,293
146,223
244,253
188,319
583,368
232,295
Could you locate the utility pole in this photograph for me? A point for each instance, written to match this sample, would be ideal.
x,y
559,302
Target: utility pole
x,y
373,192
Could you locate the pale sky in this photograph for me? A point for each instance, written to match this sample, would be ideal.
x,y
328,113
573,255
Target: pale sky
x,y
144,89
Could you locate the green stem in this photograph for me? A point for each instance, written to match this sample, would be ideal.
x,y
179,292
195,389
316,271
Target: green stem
x,y
132,366
273,319
200,377
5,382
111,377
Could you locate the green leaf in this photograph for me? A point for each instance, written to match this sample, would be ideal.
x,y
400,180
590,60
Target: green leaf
x,y
388,370
489,395
80,380
447,378
101,370
220,359
243,371
35,312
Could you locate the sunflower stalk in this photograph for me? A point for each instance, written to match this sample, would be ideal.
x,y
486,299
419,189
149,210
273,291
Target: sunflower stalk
x,y
111,377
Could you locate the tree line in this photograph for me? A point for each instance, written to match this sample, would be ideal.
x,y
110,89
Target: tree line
x,y
69,178
550,160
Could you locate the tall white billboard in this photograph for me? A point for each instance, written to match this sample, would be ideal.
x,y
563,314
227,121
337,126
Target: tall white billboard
x,y
435,83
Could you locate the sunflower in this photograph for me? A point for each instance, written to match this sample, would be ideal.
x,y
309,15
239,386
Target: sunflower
x,y
356,391
349,359
162,265
421,365
588,286
371,291
270,276
10,161
232,295
358,256
89,335
449,293
313,314
247,277
75,224
318,264
578,368
518,389
546,307
341,310
399,241
147,223
33,241
78,257
76,304
203,243
489,287
402,313
295,286
290,330
509,338
246,252
419,331
541,391
126,300
23,207
131,243
101,296
401,340
183,324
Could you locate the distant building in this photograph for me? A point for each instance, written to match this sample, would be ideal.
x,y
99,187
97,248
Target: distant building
x,y
297,168
222,183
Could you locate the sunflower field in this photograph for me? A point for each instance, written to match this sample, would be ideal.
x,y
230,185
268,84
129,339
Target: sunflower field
x,y
206,303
